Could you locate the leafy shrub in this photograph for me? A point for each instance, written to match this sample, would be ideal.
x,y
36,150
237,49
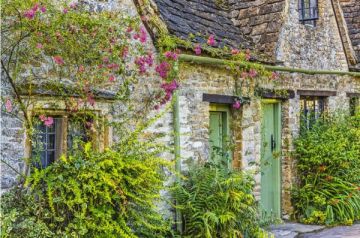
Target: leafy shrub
x,y
91,194
215,202
328,164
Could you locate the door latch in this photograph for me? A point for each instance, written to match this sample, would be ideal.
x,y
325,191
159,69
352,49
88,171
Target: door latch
x,y
273,143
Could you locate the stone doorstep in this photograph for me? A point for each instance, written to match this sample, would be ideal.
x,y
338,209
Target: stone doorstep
x,y
292,230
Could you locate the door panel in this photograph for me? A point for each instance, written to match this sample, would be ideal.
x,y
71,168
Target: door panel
x,y
216,135
270,160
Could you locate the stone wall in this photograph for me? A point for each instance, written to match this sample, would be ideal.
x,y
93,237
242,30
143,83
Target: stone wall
x,y
310,47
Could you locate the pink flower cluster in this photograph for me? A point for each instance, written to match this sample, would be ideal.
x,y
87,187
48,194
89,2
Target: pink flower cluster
x,y
30,14
8,105
197,49
211,40
141,36
171,55
236,104
252,73
113,66
235,51
274,75
48,121
163,69
58,60
142,61
169,89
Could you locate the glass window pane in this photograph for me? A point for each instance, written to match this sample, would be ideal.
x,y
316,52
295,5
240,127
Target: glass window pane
x,y
43,147
51,142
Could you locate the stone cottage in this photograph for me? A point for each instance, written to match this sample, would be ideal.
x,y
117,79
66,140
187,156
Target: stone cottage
x,y
314,43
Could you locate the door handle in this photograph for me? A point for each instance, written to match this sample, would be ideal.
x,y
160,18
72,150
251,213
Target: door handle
x,y
273,143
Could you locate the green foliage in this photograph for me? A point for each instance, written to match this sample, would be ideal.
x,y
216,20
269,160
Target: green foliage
x,y
91,194
329,171
214,202
18,216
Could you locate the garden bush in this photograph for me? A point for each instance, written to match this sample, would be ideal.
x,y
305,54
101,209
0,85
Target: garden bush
x,y
328,165
215,202
91,194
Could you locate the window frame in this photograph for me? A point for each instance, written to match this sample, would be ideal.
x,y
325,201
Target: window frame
x,y
303,11
100,139
304,112
225,110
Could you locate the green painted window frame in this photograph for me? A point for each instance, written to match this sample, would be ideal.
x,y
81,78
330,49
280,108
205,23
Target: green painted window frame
x,y
225,110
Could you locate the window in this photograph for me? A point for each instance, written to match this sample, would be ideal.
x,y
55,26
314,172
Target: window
x,y
46,143
354,105
308,12
312,108
219,134
49,142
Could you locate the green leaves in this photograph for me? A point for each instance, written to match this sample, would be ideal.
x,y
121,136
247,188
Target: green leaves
x,y
329,169
217,203
92,194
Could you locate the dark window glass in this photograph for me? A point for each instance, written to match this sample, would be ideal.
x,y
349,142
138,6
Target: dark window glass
x,y
44,144
308,11
354,105
312,108
78,132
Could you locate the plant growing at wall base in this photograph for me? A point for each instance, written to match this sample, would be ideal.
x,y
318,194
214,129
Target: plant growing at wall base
x,y
329,171
215,202
91,194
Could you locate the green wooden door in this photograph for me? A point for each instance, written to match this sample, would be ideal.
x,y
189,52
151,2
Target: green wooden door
x,y
218,134
270,161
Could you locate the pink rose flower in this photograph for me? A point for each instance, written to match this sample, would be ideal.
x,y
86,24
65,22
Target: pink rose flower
x,y
236,104
42,117
8,105
143,35
252,73
274,75
163,69
58,60
171,55
211,40
235,51
111,78
49,121
35,7
197,49
29,14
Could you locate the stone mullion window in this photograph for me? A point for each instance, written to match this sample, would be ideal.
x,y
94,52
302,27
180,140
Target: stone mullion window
x,y
312,108
47,143
308,12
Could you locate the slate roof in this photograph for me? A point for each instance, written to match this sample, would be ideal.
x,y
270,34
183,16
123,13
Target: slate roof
x,y
206,17
351,10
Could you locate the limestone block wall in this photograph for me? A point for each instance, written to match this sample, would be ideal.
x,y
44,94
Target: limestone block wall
x,y
310,47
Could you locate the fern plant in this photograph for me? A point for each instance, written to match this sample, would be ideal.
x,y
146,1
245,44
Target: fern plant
x,y
215,202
